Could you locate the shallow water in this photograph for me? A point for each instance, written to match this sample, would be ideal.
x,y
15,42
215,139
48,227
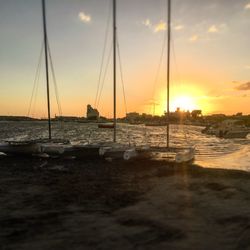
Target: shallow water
x,y
210,151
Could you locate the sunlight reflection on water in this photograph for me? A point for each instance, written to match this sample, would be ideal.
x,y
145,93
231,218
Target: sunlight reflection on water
x,y
210,150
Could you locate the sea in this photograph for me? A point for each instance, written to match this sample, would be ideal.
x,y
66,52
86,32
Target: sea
x,y
211,152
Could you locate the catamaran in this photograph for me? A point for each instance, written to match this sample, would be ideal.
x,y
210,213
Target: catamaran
x,y
39,147
107,150
174,154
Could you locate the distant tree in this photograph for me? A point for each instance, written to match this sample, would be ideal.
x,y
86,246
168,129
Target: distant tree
x,y
196,113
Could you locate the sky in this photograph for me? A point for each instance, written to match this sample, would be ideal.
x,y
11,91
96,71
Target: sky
x,y
210,56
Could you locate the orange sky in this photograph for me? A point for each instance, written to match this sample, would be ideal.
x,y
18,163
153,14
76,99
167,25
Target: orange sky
x,y
210,65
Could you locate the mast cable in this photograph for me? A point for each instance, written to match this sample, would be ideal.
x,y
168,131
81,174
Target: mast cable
x,y
121,75
179,80
36,92
159,65
54,81
103,56
104,76
38,69
123,86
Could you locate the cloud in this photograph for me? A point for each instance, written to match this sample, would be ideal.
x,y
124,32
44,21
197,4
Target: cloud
x,y
213,29
214,97
179,27
84,17
247,67
147,23
160,26
244,86
247,6
193,38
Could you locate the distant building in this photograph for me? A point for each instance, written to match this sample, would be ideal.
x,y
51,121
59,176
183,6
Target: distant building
x,y
132,116
66,118
92,114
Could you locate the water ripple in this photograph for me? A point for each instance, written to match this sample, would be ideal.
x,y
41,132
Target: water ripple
x,y
210,150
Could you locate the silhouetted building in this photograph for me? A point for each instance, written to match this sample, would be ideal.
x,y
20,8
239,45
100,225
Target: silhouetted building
x,y
92,114
132,116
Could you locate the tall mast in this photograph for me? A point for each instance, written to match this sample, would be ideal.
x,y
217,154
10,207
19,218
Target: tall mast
x,y
114,65
46,63
168,68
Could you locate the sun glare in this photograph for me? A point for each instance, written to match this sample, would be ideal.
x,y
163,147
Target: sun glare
x,y
184,103
186,97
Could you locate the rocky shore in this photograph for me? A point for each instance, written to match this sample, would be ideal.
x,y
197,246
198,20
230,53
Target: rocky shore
x,y
53,204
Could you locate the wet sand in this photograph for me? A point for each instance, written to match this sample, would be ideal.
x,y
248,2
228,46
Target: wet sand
x,y
115,205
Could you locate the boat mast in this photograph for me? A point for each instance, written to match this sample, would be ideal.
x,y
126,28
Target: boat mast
x,y
168,67
114,65
46,63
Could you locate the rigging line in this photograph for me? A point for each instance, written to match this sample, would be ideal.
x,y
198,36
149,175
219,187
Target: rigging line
x,y
104,77
56,88
121,75
103,55
186,133
160,63
161,58
180,83
54,81
123,86
36,78
36,90
175,60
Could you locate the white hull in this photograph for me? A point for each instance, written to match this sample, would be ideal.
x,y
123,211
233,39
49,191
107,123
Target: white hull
x,y
186,155
227,129
20,148
174,154
124,152
33,147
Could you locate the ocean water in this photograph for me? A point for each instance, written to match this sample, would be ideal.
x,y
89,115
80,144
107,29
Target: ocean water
x,y
211,151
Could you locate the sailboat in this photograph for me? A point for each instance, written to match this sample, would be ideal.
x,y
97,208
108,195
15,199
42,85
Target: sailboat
x,y
58,147
106,150
178,155
116,150
113,149
38,147
127,152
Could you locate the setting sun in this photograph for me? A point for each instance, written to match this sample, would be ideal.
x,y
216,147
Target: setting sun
x,y
185,97
184,103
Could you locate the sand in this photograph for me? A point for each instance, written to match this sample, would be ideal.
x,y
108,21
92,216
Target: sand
x,y
54,204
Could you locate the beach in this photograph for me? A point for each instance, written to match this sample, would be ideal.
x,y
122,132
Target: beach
x,y
143,204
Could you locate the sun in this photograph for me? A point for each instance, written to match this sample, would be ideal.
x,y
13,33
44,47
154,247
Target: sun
x,y
186,98
184,103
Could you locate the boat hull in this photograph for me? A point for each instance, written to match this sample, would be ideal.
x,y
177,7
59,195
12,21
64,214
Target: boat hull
x,y
20,148
111,126
82,151
235,134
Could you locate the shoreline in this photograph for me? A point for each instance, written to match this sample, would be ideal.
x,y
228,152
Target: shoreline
x,y
115,205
